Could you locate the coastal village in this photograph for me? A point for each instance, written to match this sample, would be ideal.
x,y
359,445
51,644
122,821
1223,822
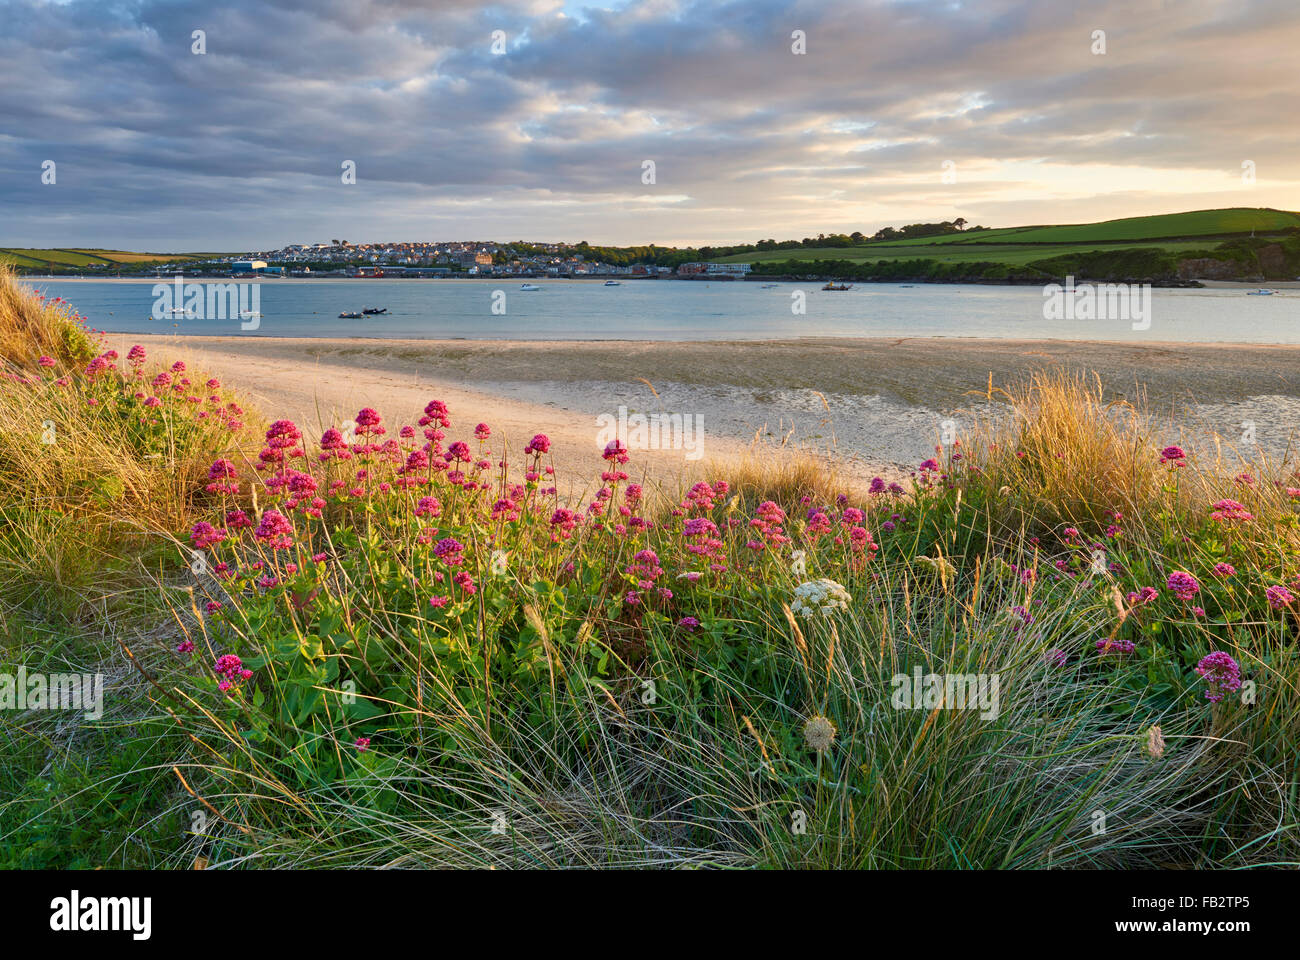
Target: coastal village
x,y
339,258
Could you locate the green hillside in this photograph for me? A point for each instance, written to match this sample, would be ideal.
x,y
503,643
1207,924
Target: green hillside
x,y
1009,253
1226,222
70,258
126,256
1133,246
1173,231
19,261
79,259
1232,221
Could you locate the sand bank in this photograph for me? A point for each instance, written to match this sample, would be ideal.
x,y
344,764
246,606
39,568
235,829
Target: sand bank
x,y
878,402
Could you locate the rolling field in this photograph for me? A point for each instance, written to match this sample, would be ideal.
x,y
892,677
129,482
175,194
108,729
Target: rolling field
x,y
1197,223
33,258
71,258
1008,253
1175,232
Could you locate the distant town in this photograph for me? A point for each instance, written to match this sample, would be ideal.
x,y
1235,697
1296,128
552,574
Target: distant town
x,y
339,258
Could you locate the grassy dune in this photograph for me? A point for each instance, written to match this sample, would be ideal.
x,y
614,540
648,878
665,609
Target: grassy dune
x,y
393,645
91,478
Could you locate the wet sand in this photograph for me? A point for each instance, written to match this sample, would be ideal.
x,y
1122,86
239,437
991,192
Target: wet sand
x,y
879,401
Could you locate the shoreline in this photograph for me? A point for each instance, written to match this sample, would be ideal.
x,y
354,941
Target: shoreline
x,y
844,340
714,341
1190,284
875,404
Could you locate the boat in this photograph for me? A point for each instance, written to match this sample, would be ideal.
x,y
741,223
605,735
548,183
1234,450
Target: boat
x,y
529,286
612,283
769,286
842,286
374,311
906,286
1261,292
349,315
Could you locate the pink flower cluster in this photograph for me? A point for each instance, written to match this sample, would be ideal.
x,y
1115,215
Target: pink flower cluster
x,y
232,671
1183,585
274,530
1230,510
1115,645
1173,456
1220,673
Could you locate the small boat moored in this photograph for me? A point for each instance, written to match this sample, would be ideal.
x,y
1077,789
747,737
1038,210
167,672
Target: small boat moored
x,y
374,311
612,283
842,286
768,286
1261,292
529,286
349,315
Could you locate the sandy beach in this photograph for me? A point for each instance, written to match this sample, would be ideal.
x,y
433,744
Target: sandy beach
x,y
877,403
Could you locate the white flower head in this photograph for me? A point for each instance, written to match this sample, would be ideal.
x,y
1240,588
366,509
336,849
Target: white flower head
x,y
821,598
799,563
819,733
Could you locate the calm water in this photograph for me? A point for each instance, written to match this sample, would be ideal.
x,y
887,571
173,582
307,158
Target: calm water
x,y
677,310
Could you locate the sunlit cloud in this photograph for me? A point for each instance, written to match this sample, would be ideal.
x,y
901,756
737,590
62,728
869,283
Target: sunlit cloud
x,y
544,134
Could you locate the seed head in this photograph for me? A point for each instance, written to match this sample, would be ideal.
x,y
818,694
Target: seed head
x,y
819,733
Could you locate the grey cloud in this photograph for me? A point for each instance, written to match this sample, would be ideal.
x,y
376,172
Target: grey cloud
x,y
241,148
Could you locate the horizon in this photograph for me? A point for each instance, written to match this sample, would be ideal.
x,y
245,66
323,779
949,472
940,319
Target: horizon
x,y
538,119
570,243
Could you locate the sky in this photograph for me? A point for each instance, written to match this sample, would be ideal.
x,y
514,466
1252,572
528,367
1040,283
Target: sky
x,y
536,120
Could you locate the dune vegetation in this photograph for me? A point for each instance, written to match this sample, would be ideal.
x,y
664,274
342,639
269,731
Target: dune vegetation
x,y
1061,643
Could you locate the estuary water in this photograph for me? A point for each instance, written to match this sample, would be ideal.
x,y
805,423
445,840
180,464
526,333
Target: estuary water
x,y
683,310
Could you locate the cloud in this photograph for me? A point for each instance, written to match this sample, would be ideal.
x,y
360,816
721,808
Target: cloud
x,y
241,148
